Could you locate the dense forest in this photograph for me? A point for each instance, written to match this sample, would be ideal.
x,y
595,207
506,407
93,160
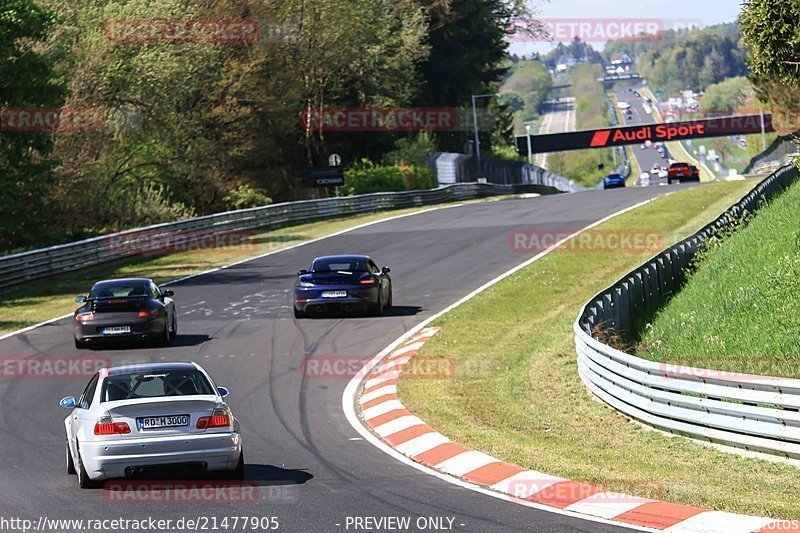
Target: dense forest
x,y
193,126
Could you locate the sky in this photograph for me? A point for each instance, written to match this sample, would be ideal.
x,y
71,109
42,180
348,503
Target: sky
x,y
604,17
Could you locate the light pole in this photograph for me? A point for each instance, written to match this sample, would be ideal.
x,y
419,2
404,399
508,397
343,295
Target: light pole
x,y
530,150
475,121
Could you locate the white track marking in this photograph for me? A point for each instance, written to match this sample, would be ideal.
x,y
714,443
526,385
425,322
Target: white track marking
x,y
422,444
720,522
398,424
466,462
381,409
377,393
607,504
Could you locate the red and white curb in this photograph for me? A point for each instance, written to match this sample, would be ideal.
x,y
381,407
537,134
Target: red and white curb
x,y
381,410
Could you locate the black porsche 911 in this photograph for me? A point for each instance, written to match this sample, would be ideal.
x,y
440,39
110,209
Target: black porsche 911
x,y
342,283
134,308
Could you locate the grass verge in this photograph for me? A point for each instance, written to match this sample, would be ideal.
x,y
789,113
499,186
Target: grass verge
x,y
46,298
740,311
516,393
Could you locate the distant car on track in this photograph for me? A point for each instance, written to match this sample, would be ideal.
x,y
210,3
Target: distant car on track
x,y
613,181
682,172
342,283
159,419
131,308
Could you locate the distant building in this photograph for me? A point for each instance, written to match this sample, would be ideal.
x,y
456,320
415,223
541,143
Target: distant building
x,y
565,62
622,59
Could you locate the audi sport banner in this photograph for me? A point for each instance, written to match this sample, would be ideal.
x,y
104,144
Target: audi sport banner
x,y
667,131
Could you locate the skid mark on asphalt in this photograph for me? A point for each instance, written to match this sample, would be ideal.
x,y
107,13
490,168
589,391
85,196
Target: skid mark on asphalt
x,y
271,303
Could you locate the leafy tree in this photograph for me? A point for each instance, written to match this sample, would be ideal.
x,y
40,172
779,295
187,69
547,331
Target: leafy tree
x,y
28,80
411,150
467,47
529,85
726,96
770,32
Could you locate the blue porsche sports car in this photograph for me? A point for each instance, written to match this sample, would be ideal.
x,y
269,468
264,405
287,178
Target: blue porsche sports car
x,y
613,181
342,283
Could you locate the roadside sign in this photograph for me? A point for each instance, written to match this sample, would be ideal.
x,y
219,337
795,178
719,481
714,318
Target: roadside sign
x,y
326,176
658,132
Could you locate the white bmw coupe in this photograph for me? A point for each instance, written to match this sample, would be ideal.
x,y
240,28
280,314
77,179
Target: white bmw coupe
x,y
154,419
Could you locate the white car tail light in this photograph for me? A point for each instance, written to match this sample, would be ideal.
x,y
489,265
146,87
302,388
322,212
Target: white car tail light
x,y
220,418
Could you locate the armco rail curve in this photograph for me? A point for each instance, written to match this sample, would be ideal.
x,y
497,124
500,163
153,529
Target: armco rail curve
x,y
22,267
754,413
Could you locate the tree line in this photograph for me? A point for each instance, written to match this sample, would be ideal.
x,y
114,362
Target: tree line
x,y
688,58
193,126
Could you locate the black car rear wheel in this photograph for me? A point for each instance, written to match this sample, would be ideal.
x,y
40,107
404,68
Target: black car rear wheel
x,y
80,345
166,335
174,332
378,309
299,314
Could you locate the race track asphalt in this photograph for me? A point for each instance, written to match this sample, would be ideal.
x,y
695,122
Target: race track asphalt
x,y
312,468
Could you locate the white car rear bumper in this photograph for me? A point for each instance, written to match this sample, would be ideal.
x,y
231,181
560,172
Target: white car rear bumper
x,y
110,459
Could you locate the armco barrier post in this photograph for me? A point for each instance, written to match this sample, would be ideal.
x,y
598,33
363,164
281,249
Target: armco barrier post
x,y
616,304
625,307
608,312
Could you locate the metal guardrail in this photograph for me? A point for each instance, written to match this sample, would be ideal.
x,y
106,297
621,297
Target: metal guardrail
x,y
755,413
22,267
458,168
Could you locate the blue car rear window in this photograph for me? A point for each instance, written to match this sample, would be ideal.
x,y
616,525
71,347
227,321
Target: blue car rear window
x,y
338,265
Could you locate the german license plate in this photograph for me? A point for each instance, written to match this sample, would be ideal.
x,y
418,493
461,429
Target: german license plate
x,y
119,330
334,294
157,422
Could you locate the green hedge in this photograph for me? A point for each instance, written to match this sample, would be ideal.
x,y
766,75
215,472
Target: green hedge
x,y
366,177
